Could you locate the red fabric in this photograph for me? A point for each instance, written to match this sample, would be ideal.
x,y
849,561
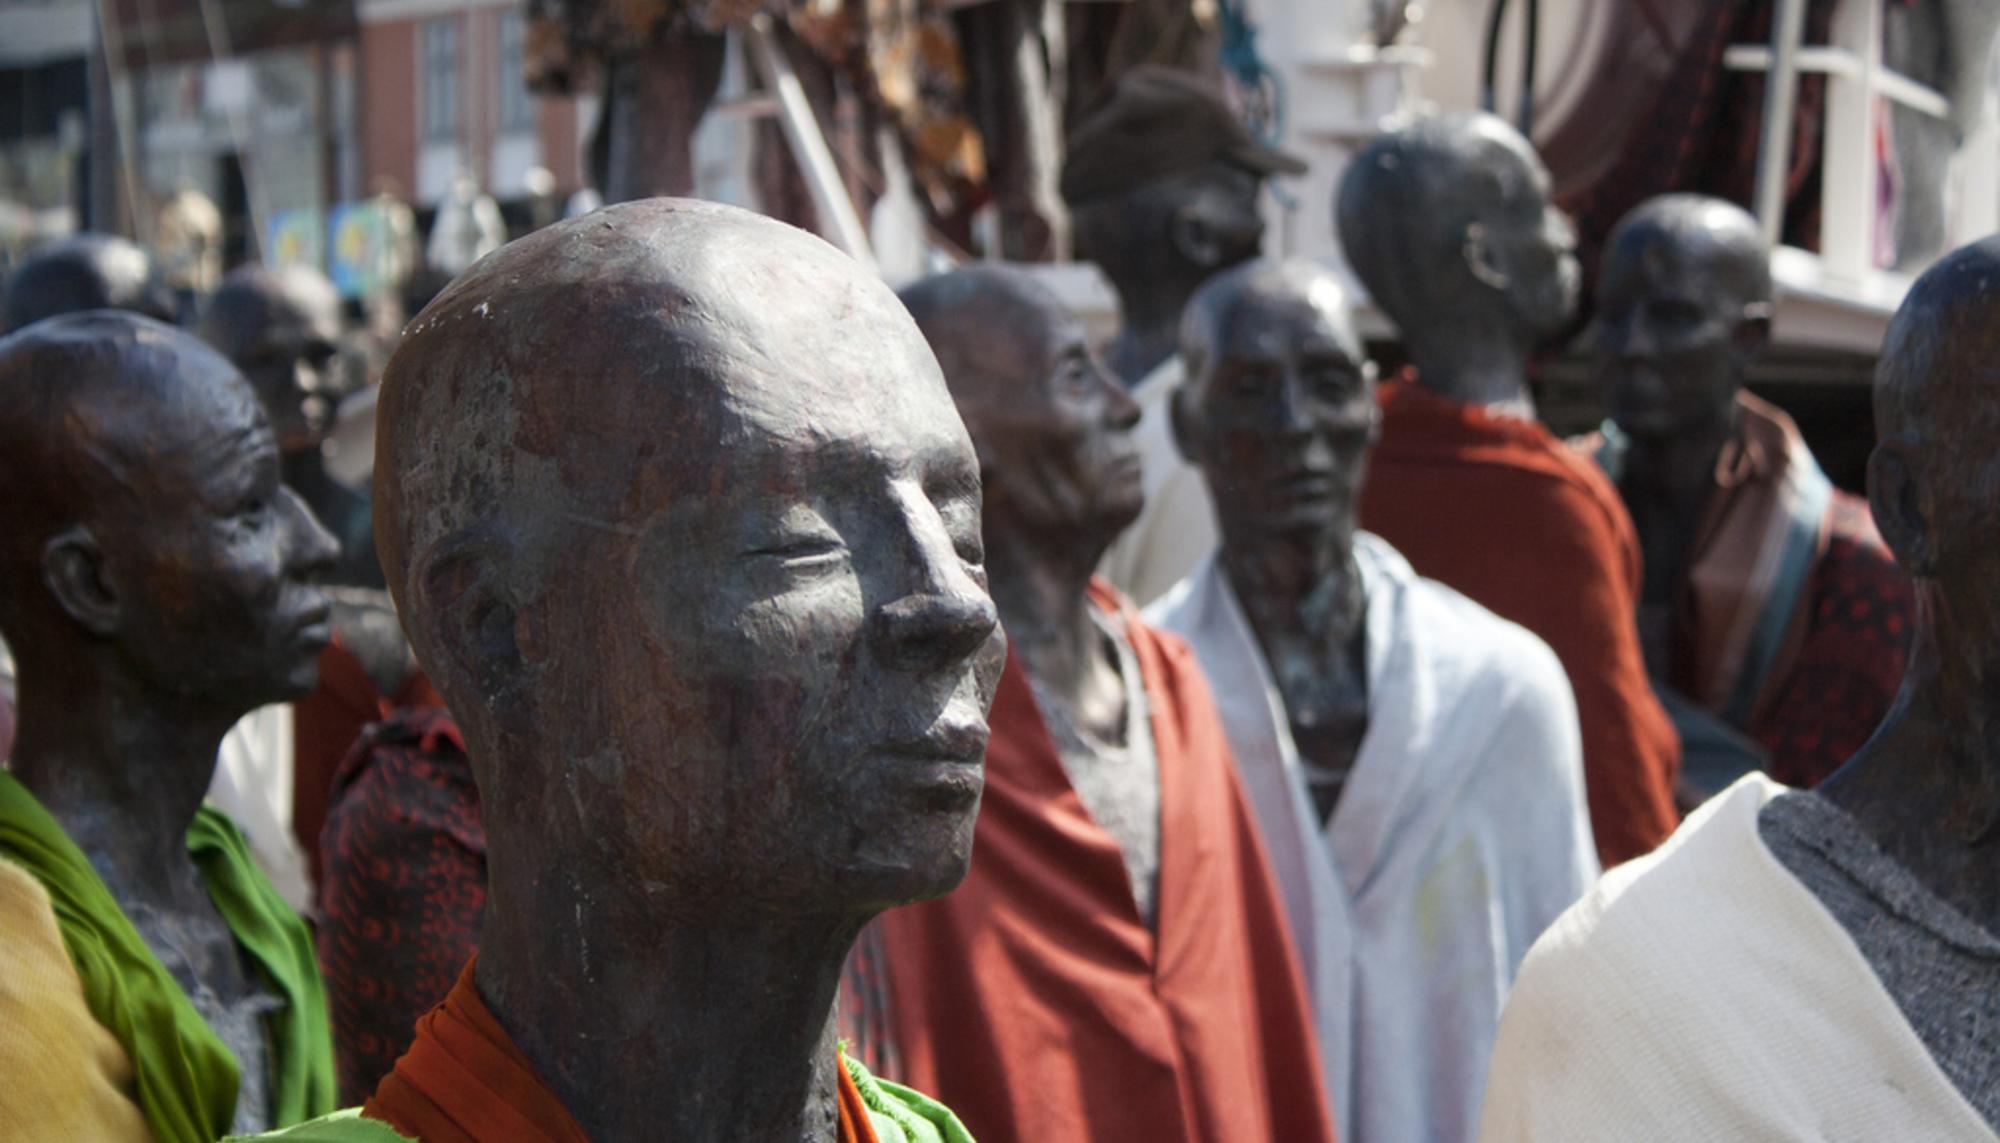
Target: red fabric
x,y
325,726
1499,509
465,1081
1701,127
1850,665
1036,1004
403,889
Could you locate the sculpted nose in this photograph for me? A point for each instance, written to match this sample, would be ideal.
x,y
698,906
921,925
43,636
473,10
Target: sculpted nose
x,y
313,549
1637,340
935,629
1289,407
1120,408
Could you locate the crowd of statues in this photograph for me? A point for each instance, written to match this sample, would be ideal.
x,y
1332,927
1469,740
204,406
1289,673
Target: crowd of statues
x,y
748,703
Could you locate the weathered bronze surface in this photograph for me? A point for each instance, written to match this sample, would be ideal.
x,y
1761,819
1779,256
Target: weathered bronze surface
x,y
1278,411
1448,223
682,522
1926,788
156,587
282,329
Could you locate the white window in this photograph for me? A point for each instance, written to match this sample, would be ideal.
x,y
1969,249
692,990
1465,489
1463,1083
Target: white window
x,y
517,108
441,78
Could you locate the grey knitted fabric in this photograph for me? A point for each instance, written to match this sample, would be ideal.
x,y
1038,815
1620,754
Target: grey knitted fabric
x,y
1942,970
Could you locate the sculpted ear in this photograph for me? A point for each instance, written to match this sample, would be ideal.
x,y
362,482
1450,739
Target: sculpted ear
x,y
1180,419
1197,236
470,619
1902,508
1480,260
1753,330
74,568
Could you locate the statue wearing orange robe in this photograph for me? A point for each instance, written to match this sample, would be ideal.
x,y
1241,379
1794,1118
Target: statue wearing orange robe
x,y
1036,1003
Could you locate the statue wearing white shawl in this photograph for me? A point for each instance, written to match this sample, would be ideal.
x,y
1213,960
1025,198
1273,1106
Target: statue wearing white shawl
x,y
1822,965
1452,770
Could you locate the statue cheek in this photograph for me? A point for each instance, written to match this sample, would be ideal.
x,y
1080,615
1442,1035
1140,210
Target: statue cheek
x,y
800,635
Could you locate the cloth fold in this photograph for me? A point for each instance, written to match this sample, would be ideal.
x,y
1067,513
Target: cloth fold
x,y
1500,510
465,1081
67,1077
1037,1002
1704,995
186,1079
1460,835
1791,623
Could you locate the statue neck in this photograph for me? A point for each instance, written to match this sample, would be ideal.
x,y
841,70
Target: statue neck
x,y
1673,476
305,469
1926,788
652,1025
1288,589
1475,359
1150,308
120,766
1040,583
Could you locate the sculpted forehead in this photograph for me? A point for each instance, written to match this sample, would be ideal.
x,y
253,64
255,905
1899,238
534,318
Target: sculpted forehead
x,y
1243,309
104,400
1936,376
1702,246
993,329
256,304
609,360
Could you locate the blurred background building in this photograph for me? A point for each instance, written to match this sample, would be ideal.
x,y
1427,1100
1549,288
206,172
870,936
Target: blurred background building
x,y
389,142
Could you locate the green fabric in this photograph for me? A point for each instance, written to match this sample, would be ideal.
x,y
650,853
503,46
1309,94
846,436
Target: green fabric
x,y
904,1116
340,1127
899,1115
187,1079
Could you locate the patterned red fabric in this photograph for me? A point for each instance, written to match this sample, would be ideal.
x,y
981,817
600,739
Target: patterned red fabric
x,y
1851,663
403,889
1701,134
325,726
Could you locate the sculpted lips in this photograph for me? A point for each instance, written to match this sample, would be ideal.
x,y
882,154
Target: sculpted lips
x,y
1305,484
945,765
312,626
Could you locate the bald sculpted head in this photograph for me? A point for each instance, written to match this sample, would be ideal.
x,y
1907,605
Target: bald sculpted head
x,y
681,519
148,533
1278,406
281,326
1934,479
1683,308
1052,426
84,272
1448,224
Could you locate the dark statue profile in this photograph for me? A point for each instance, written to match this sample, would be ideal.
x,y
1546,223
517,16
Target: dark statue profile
x,y
156,587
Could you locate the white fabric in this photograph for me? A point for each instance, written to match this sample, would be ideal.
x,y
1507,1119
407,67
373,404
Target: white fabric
x,y
253,784
1461,833
1176,529
1703,994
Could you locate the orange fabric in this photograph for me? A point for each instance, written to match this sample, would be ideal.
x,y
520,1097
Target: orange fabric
x,y
1033,1000
325,725
1499,509
856,1126
464,1081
